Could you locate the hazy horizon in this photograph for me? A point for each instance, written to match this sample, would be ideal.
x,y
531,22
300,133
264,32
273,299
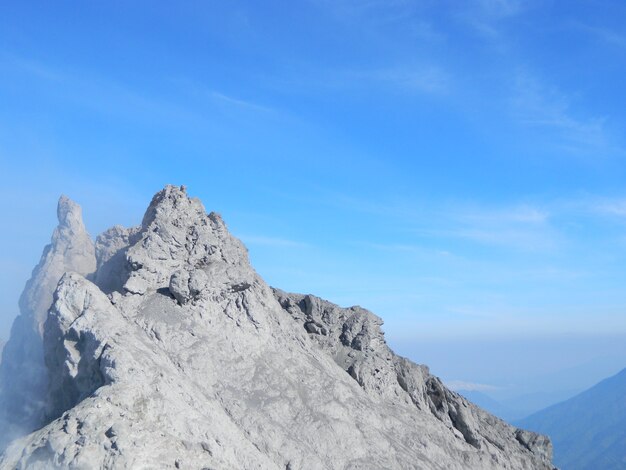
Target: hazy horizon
x,y
504,366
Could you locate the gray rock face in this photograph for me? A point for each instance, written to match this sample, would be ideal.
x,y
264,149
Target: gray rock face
x,y
354,339
176,354
111,258
23,376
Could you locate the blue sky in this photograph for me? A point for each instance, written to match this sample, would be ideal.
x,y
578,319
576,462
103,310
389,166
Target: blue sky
x,y
456,167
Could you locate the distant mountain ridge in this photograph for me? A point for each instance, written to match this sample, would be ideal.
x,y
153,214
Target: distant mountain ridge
x,y
490,404
588,431
519,407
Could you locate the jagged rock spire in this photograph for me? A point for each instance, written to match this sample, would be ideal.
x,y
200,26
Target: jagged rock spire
x,y
69,215
23,376
71,249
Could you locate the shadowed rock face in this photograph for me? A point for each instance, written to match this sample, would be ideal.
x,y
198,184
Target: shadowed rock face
x,y
174,353
23,376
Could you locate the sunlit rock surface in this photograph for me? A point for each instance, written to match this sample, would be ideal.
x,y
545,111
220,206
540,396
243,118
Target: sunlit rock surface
x,y
176,354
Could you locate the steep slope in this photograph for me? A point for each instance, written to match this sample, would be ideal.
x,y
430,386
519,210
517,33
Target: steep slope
x,y
588,430
176,354
23,377
354,339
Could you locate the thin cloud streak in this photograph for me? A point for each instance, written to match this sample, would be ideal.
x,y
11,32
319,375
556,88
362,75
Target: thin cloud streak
x,y
428,79
485,16
272,241
534,105
603,34
459,385
500,8
412,79
522,227
615,207
239,102
107,96
522,214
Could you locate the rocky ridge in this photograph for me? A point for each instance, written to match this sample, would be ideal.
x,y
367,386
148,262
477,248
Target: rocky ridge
x,y
165,349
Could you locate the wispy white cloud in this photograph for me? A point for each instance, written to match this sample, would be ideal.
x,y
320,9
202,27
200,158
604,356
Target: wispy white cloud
x,y
381,11
408,249
429,79
33,67
272,241
108,96
520,227
462,385
485,16
407,78
239,102
510,238
604,206
203,92
538,106
521,214
100,93
616,207
500,8
604,34
404,248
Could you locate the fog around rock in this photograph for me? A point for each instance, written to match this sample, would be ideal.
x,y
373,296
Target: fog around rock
x,y
160,346
23,375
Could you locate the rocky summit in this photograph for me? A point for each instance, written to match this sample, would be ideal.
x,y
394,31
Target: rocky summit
x,y
159,346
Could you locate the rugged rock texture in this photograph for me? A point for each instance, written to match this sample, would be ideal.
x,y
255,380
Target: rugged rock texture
x,y
23,376
176,354
354,339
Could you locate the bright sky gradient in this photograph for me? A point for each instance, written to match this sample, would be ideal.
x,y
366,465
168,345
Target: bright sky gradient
x,y
459,168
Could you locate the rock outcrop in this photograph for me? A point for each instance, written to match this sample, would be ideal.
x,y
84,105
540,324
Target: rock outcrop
x,y
354,339
23,376
174,353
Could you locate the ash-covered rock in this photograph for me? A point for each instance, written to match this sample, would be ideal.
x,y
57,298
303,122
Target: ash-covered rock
x,y
354,339
188,285
23,375
176,354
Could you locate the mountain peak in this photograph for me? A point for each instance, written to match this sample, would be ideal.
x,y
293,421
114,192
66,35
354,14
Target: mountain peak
x,y
70,214
176,233
165,203
175,353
